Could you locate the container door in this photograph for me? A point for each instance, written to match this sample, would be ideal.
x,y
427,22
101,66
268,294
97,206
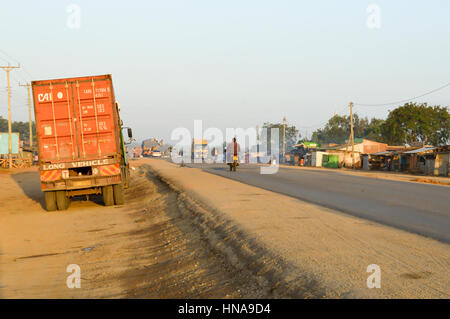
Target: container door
x,y
55,120
95,118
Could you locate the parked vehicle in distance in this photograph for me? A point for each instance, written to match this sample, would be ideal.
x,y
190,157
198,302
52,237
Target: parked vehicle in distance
x,y
80,141
148,146
156,153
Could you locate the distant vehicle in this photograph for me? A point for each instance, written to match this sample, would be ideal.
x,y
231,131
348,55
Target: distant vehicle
x,y
199,148
148,146
81,145
156,153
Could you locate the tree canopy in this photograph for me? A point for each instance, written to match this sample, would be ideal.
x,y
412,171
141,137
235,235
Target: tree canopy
x,y
417,123
337,130
406,124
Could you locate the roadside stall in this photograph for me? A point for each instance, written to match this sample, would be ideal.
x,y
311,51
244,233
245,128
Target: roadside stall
x,y
421,160
380,160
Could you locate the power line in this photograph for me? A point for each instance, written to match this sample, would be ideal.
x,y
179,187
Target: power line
x,y
8,56
323,123
4,59
20,78
17,61
406,100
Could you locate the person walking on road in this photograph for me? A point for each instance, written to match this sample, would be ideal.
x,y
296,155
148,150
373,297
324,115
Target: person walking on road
x,y
233,150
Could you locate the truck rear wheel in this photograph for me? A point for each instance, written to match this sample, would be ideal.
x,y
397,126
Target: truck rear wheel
x,y
62,201
119,198
108,195
50,201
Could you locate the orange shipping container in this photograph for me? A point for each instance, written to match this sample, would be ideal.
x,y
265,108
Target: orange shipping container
x,y
79,136
76,119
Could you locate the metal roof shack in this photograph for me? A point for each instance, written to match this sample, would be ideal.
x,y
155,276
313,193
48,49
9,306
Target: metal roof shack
x,y
383,153
421,150
421,160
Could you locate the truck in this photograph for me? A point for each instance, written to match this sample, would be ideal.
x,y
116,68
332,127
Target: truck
x,y
149,145
81,147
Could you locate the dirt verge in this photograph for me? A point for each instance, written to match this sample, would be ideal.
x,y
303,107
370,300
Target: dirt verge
x,y
311,251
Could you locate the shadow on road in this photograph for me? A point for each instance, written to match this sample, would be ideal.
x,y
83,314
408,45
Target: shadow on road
x,y
94,198
30,183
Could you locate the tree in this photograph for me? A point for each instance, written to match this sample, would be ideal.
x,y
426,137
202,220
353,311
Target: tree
x,y
337,130
417,123
373,131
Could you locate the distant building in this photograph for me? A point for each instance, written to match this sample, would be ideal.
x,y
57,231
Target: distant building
x,y
343,152
364,146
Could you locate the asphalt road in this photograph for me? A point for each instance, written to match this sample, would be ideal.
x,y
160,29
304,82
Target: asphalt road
x,y
414,207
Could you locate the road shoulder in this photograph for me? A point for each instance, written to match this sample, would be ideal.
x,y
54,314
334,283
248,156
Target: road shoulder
x,y
310,247
423,179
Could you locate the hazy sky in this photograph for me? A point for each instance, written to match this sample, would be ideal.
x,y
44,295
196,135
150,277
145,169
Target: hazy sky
x,y
232,63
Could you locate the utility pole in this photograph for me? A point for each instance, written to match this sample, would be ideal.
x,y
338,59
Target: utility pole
x,y
352,136
284,137
29,112
8,69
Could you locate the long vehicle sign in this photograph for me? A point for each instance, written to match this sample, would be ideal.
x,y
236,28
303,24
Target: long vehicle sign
x,y
105,161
